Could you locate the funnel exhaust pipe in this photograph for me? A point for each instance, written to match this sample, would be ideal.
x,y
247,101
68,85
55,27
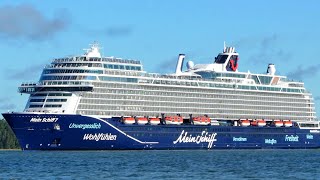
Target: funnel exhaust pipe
x,y
180,63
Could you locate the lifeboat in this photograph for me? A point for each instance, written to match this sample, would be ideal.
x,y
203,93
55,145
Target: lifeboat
x,y
177,120
254,123
129,120
287,123
142,120
261,122
245,123
154,121
278,123
203,120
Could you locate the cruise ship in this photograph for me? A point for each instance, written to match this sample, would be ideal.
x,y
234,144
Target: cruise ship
x,y
90,102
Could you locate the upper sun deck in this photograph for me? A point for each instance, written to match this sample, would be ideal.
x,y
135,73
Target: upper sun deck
x,y
225,68
92,59
77,59
93,55
221,73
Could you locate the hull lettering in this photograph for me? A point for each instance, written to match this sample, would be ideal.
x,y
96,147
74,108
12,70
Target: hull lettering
x,y
85,126
100,137
205,137
35,120
292,138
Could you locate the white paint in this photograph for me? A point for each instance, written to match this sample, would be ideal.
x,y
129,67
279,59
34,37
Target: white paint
x,y
292,138
122,131
179,64
271,69
190,65
239,139
37,120
270,141
93,51
189,138
100,137
85,126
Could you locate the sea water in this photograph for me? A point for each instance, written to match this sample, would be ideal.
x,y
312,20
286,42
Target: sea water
x,y
189,164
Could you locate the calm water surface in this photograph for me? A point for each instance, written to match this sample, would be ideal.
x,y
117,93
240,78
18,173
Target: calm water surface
x,y
193,164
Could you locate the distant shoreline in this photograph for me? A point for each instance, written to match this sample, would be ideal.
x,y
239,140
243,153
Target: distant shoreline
x,y
10,149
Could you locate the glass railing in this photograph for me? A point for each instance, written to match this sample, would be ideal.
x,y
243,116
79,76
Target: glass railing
x,y
106,59
290,80
48,83
29,84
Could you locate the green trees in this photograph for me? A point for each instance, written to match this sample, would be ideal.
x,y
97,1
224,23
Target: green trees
x,y
7,139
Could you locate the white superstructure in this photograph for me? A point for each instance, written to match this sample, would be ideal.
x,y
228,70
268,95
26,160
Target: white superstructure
x,y
108,86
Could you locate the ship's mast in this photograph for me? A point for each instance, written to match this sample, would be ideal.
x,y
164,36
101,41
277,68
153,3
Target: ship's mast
x,y
93,51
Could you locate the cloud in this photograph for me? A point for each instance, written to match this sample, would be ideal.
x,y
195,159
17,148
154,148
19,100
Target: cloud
x,y
27,23
112,31
168,65
118,31
301,73
24,74
269,41
263,50
6,105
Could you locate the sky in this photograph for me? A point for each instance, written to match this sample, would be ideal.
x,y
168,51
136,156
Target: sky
x,y
32,33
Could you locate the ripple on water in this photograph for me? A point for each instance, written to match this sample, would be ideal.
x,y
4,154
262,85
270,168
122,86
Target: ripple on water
x,y
222,164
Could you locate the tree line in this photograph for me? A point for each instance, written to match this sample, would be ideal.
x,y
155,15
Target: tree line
x,y
7,138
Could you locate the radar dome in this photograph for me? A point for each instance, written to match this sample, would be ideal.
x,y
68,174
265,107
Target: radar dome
x,y
190,65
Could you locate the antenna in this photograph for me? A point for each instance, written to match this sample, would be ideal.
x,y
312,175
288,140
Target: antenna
x,y
224,46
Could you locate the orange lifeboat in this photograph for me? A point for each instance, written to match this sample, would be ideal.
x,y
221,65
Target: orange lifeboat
x,y
261,122
287,123
254,123
202,120
245,123
168,118
177,120
142,120
129,120
278,123
154,121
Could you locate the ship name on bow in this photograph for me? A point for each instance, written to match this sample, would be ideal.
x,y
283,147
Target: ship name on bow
x,y
44,119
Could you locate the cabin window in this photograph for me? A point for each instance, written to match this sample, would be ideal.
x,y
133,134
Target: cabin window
x,y
308,125
35,106
36,100
221,59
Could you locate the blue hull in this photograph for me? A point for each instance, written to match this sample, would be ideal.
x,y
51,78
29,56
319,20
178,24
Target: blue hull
x,y
77,132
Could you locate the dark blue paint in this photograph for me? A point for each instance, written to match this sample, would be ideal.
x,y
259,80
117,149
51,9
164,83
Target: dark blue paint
x,y
43,135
